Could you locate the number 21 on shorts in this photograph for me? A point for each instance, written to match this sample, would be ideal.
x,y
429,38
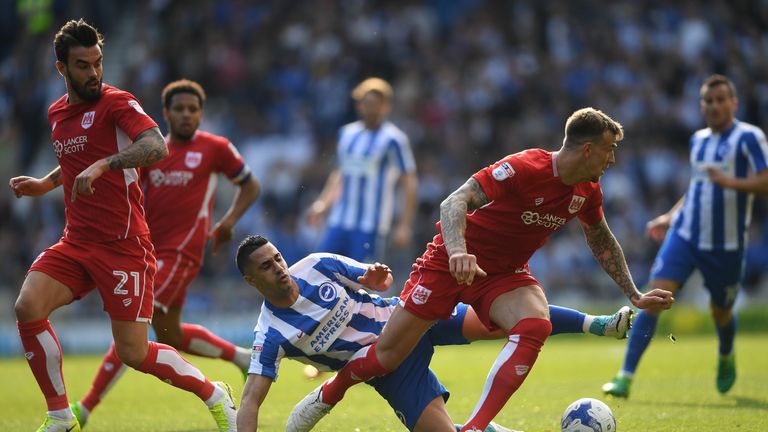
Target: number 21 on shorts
x,y
119,290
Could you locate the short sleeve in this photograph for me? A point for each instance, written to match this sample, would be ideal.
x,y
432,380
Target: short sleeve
x,y
129,116
266,353
592,212
500,178
231,163
403,156
756,149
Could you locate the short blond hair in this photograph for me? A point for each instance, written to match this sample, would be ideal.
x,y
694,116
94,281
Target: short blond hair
x,y
589,124
374,84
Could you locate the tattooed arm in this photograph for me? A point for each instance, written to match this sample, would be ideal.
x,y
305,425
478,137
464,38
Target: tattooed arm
x,y
148,148
610,256
30,186
453,224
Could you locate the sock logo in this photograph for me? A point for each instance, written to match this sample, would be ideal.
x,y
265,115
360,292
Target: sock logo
x,y
29,355
521,369
108,366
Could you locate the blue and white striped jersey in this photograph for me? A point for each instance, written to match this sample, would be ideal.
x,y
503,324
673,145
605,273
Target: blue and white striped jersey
x,y
714,218
370,162
332,318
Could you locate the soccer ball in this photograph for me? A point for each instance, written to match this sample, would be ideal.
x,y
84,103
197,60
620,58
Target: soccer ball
x,y
588,415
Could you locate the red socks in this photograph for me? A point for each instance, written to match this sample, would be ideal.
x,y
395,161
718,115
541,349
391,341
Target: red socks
x,y
43,353
168,365
510,370
363,366
109,372
198,340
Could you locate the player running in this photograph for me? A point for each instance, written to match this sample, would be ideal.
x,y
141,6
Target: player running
x,y
488,230
187,178
707,228
100,135
315,312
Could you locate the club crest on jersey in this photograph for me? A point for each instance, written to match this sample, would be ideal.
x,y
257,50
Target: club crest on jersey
x,y
327,291
193,159
503,171
538,201
576,203
88,119
420,295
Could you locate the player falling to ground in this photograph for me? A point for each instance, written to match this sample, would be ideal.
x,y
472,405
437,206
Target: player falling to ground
x,y
707,228
187,178
316,312
359,196
100,136
488,230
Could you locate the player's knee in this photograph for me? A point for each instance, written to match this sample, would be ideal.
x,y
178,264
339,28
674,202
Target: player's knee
x,y
535,330
129,355
26,309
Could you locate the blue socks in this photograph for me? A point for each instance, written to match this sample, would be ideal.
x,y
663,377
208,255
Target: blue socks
x,y
565,320
639,338
726,335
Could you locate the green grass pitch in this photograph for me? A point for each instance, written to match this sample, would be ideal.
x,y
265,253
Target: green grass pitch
x,y
674,390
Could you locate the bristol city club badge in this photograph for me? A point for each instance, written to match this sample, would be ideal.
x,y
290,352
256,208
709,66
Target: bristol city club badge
x,y
193,159
576,203
87,119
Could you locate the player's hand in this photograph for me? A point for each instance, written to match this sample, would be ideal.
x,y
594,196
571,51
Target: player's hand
x,y
656,298
402,236
316,214
717,176
376,277
29,186
463,267
657,227
222,233
84,181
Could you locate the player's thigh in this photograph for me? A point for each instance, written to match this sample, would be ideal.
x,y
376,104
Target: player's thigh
x,y
399,337
362,246
335,240
434,418
412,388
513,306
40,295
124,272
674,263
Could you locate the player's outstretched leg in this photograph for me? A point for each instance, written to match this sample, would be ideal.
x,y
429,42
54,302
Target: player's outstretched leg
x,y
616,325
198,340
492,427
567,320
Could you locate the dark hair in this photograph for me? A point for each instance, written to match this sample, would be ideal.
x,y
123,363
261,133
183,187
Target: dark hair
x,y
246,248
589,124
75,33
716,80
182,86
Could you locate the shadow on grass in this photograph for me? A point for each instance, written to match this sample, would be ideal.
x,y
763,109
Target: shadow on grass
x,y
742,402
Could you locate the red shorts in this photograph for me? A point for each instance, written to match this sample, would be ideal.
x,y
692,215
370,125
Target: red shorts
x,y
122,270
174,274
432,294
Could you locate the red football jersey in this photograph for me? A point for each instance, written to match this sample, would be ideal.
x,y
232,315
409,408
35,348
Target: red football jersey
x,y
84,133
180,188
527,202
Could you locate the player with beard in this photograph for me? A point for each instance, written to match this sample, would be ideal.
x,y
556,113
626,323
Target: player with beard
x,y
100,135
187,177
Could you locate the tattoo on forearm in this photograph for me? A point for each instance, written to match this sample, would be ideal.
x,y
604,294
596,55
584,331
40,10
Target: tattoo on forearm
x,y
148,148
610,256
453,213
55,177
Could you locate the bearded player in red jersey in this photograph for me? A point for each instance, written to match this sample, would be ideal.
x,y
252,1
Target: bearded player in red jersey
x,y
488,230
187,179
100,135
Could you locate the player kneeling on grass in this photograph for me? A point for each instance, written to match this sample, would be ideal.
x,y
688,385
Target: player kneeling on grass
x,y
317,313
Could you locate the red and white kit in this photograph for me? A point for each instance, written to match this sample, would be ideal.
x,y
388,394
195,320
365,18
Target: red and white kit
x,y
528,199
105,243
185,180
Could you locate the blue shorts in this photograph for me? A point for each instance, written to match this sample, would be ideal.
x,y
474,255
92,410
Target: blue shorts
x,y
722,270
358,245
412,386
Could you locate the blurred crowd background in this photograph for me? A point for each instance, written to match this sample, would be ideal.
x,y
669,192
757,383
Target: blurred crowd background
x,y
474,80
